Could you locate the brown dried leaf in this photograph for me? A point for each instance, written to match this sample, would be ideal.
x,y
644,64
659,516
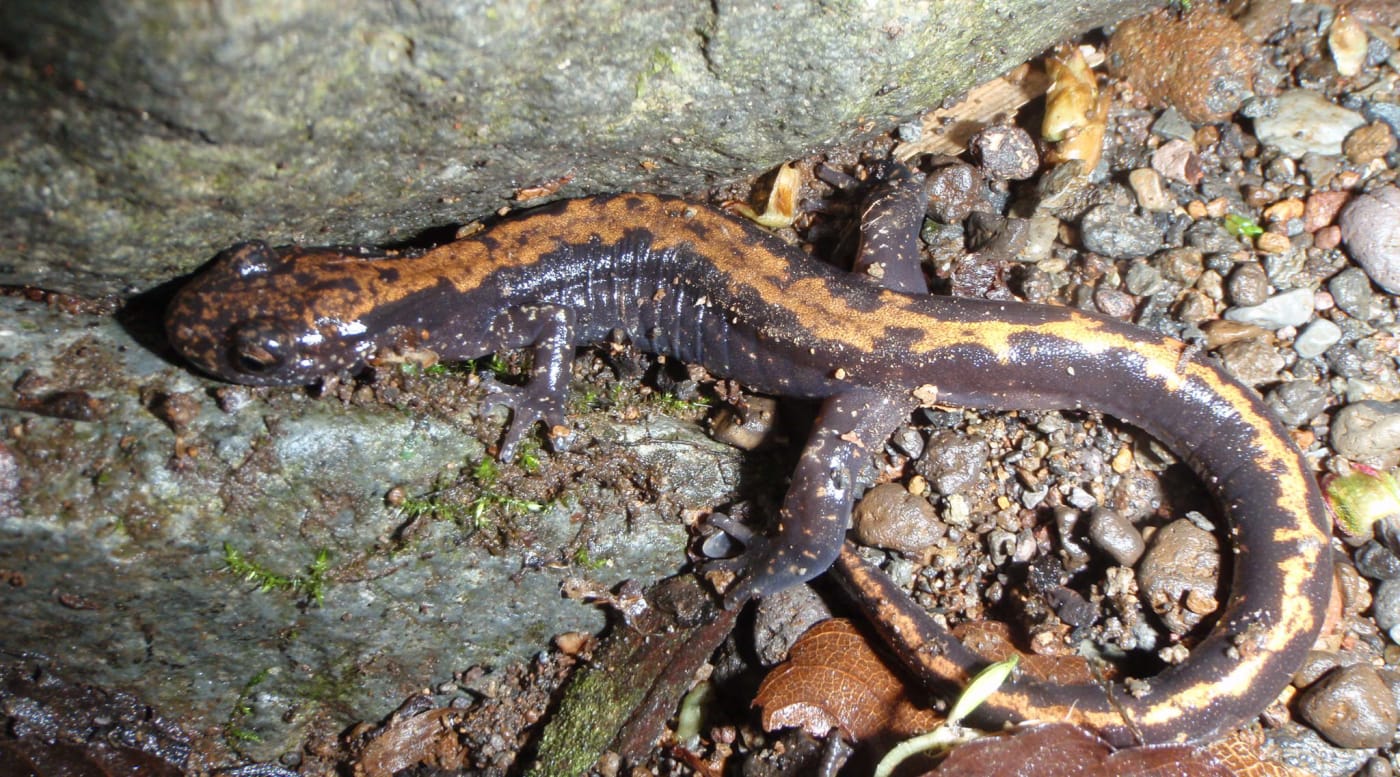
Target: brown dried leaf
x,y
428,738
780,209
1076,114
1064,750
992,641
833,678
1239,752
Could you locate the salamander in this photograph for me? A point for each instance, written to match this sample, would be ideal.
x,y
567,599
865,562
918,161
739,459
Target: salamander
x,y
690,282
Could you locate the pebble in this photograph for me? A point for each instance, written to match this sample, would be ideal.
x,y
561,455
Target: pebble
x,y
998,238
1316,338
1182,265
1171,126
1322,208
1273,243
1142,279
1177,160
1306,122
1351,707
1117,232
1291,308
1371,231
1005,152
1041,233
1377,110
953,191
1385,607
1351,291
1220,333
231,399
1114,303
1180,567
747,430
908,441
1137,495
1347,362
1369,143
1074,554
1037,285
1376,561
951,461
1281,170
1284,210
1328,238
1076,611
1081,499
1355,594
890,517
1367,429
1346,39
1116,536
1254,362
1297,402
1151,194
1213,284
1211,237
1308,753
1315,664
1195,307
1248,285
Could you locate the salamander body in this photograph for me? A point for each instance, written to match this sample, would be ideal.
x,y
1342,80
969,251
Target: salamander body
x,y
690,282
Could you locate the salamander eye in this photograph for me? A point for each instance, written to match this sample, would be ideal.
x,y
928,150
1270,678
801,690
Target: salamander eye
x,y
256,360
256,353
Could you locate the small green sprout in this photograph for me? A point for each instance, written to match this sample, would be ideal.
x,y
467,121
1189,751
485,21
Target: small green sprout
x,y
1242,226
951,732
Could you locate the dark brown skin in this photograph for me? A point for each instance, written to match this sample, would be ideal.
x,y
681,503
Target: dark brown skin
x,y
690,282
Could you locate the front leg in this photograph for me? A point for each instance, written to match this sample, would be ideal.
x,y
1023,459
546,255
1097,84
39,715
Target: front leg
x,y
548,330
812,524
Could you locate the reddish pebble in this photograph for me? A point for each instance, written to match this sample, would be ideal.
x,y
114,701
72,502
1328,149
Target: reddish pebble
x,y
1322,208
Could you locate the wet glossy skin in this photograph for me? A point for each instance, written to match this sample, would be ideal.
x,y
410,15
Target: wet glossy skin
x,y
691,282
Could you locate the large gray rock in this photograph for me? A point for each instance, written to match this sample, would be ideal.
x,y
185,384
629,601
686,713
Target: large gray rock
x,y
124,487
142,137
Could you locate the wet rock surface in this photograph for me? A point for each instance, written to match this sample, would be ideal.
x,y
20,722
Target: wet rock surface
x,y
122,475
146,138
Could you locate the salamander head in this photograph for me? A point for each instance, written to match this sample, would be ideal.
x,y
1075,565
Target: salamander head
x,y
250,317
